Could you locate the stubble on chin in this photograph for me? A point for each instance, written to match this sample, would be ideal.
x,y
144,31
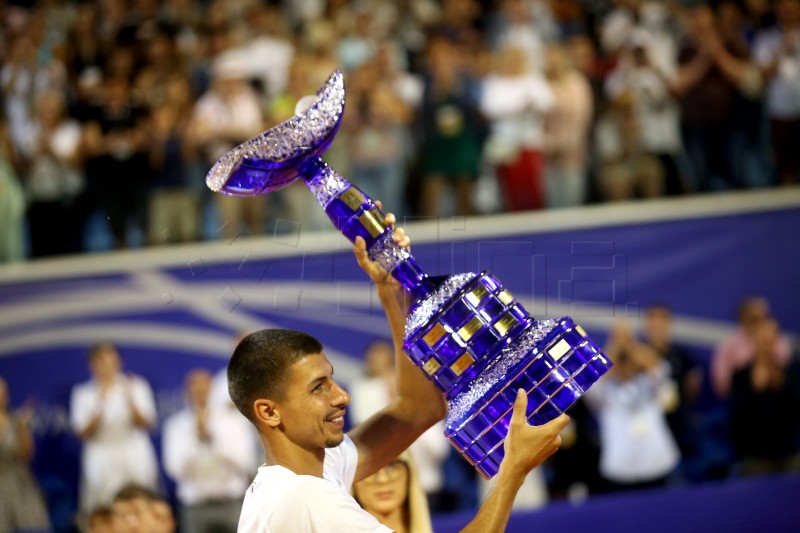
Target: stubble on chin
x,y
333,443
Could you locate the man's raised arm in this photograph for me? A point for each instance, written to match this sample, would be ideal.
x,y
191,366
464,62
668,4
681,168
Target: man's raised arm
x,y
419,404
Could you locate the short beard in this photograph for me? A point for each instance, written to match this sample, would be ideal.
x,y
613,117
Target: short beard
x,y
333,443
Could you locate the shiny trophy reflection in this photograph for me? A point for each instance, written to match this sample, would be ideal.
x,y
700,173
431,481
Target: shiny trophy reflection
x,y
466,331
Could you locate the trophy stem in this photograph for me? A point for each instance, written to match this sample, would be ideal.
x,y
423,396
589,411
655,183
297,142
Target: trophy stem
x,y
356,215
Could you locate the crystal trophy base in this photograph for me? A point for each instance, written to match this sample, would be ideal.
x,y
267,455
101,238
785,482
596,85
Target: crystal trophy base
x,y
466,332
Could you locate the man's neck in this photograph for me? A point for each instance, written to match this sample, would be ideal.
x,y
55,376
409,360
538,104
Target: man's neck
x,y
289,455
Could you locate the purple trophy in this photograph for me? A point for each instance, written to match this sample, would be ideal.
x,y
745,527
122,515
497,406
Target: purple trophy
x,y
466,331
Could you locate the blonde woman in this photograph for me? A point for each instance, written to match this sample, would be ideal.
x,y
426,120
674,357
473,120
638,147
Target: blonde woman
x,y
394,496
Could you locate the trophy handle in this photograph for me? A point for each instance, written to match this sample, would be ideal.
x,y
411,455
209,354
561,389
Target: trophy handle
x,y
355,214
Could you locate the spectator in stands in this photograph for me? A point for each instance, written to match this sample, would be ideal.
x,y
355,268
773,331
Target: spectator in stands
x,y
377,387
12,201
28,69
269,51
160,63
209,453
450,126
524,26
115,145
515,100
228,114
647,83
138,509
112,414
777,53
736,351
685,372
22,507
712,72
55,182
765,407
566,132
174,211
637,449
379,136
626,171
394,496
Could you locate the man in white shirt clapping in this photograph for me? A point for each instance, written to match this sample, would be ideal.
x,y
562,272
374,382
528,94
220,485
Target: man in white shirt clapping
x,y
208,452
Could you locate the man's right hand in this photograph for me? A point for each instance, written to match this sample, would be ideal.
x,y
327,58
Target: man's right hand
x,y
527,446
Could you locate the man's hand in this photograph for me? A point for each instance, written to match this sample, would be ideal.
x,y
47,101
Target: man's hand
x,y
387,286
527,446
373,269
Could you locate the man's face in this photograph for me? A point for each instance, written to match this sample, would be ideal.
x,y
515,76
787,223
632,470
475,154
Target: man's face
x,y
312,410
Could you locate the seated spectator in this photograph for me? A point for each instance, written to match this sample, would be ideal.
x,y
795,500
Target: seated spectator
x,y
637,449
112,413
137,509
209,452
736,351
394,496
22,507
765,407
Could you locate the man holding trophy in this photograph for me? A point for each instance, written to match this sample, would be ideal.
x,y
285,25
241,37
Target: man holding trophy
x,y
497,366
283,383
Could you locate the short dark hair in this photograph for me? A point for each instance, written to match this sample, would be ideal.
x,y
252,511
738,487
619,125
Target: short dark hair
x,y
260,362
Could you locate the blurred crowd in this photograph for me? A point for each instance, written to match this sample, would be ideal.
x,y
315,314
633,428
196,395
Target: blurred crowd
x,y
113,111
644,425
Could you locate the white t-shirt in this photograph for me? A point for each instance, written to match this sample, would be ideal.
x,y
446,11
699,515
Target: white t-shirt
x,y
635,442
279,500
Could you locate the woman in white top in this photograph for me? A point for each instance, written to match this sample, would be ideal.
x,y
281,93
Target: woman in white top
x,y
112,413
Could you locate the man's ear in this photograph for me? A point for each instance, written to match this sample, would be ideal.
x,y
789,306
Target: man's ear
x,y
267,412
